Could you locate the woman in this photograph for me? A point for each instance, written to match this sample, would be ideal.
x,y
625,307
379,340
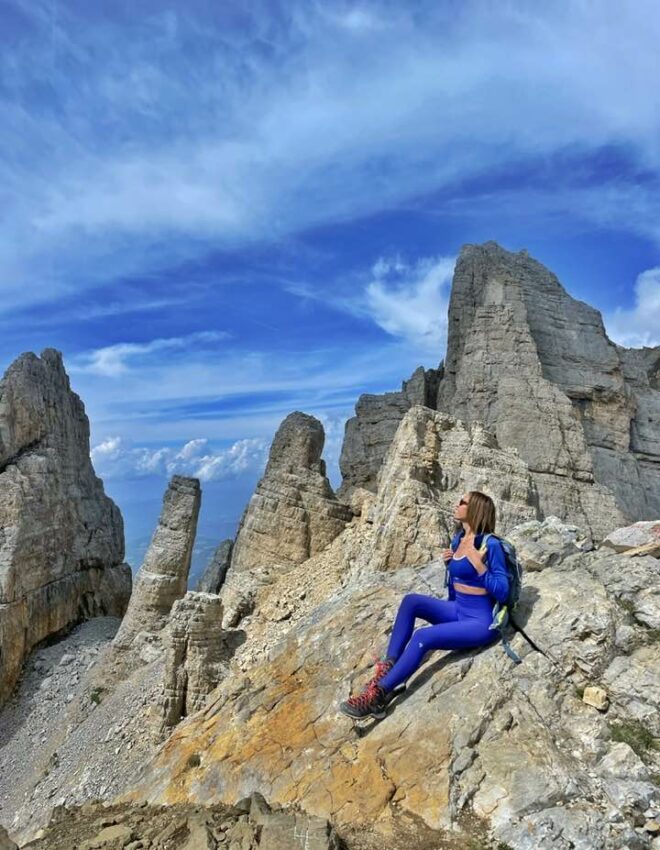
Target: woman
x,y
476,580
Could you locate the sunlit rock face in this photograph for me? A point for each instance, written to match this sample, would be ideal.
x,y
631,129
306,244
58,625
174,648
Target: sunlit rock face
x,y
536,368
61,537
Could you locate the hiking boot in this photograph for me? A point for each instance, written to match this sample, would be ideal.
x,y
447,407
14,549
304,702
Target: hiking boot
x,y
383,666
372,701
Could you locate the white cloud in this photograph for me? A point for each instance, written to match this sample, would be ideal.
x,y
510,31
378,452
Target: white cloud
x,y
114,458
640,325
113,361
411,301
157,152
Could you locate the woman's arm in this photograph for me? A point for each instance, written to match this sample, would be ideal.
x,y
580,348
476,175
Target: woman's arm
x,y
496,579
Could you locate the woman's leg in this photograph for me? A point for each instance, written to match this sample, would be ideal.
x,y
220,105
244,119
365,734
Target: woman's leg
x,y
416,605
469,630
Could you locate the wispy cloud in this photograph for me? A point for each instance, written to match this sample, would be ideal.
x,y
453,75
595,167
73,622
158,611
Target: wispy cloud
x,y
115,458
411,301
113,361
640,325
130,145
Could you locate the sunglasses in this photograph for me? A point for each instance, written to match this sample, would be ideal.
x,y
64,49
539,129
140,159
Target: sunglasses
x,y
463,502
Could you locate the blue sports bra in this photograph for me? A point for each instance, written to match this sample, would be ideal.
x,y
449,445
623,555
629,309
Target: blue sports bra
x,y
463,572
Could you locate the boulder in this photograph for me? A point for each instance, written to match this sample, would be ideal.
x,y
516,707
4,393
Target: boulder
x,y
635,536
61,537
542,544
163,576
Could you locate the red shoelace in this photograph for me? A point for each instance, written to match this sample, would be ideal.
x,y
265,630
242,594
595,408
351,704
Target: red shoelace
x,y
382,668
368,695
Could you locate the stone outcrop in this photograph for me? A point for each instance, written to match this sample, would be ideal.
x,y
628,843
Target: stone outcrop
x,y
639,536
536,367
542,544
249,825
214,575
515,745
61,537
369,433
163,576
432,460
195,659
292,515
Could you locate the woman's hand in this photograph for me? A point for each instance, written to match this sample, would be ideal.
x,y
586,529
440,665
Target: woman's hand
x,y
474,556
447,555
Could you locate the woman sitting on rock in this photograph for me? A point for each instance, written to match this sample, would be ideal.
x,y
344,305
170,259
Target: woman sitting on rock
x,y
476,579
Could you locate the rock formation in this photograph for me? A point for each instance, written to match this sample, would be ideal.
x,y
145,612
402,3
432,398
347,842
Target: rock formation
x,y
432,460
163,576
292,515
369,434
61,537
514,744
214,575
249,825
195,655
536,367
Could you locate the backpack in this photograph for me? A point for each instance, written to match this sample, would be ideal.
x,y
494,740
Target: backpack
x,y
502,611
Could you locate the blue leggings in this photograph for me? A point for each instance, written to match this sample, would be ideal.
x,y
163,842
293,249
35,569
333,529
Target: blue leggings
x,y
456,625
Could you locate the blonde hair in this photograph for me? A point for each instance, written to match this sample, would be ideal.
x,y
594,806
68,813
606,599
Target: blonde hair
x,y
480,513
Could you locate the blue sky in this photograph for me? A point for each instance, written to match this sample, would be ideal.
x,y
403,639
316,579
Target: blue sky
x,y
221,213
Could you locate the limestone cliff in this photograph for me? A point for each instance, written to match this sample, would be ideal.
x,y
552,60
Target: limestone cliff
x,y
61,537
214,574
536,367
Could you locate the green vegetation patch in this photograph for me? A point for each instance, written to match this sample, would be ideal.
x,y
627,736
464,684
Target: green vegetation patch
x,y
95,695
636,735
194,760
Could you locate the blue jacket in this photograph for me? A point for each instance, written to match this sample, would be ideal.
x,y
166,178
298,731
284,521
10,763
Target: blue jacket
x,y
496,578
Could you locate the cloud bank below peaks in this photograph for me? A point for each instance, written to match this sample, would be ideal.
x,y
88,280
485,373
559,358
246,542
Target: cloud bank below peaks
x,y
114,458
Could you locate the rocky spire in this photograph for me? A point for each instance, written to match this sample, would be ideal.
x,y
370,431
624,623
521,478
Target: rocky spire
x,y
536,366
163,576
292,514
61,537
